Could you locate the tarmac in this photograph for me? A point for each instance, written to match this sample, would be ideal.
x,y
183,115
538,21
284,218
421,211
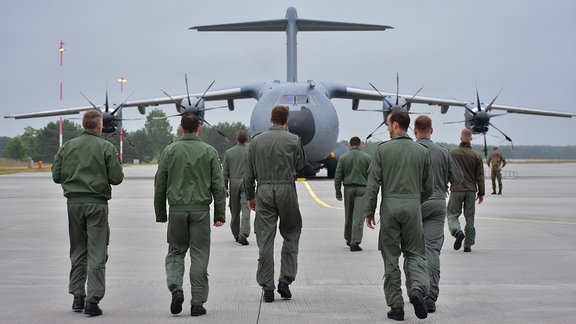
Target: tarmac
x,y
521,270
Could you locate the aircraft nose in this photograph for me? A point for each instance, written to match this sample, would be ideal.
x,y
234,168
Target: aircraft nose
x,y
302,124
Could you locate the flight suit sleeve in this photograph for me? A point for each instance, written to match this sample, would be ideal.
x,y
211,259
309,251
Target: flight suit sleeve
x,y
455,175
160,188
225,170
249,175
504,162
115,173
488,160
57,167
218,191
338,177
372,186
299,156
480,176
428,179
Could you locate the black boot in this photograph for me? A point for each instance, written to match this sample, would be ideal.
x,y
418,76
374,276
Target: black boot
x,y
78,304
92,309
494,190
500,191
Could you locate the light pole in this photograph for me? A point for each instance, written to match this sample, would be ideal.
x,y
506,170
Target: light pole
x,y
122,80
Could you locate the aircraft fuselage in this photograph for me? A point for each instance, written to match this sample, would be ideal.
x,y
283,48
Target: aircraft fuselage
x,y
312,115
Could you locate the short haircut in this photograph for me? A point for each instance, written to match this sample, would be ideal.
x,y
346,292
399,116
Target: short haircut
x,y
280,115
401,117
495,148
355,141
423,124
190,123
466,135
242,136
91,119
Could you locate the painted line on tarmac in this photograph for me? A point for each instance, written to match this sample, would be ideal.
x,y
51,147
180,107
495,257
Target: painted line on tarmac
x,y
315,197
528,220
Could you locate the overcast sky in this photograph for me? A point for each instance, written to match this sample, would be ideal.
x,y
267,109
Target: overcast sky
x,y
526,47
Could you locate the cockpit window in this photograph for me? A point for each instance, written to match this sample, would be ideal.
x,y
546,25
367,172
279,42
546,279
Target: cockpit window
x,y
301,99
294,100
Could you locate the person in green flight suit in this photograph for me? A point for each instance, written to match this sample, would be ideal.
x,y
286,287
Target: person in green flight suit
x,y
402,168
446,170
464,195
274,157
189,176
86,166
352,172
496,162
233,169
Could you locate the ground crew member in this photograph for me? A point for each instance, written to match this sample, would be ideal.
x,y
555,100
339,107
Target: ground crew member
x,y
86,166
189,175
352,172
404,171
434,208
496,162
274,157
233,169
465,194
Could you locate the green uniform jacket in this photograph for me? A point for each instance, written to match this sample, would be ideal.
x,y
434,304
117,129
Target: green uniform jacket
x,y
352,169
234,164
495,161
274,158
445,168
402,168
86,166
472,167
189,175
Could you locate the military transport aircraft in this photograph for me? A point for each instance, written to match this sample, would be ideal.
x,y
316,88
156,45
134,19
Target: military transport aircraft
x,y
312,114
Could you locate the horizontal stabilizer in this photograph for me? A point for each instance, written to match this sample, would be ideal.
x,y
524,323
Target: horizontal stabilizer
x,y
301,24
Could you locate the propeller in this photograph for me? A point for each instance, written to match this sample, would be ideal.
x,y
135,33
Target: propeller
x,y
197,108
478,121
391,106
111,120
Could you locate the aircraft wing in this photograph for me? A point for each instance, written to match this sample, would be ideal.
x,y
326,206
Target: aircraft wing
x,y
244,92
530,111
344,92
56,112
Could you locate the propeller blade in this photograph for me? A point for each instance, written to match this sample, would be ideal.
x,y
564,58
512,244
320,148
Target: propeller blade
x,y
106,97
367,137
414,96
122,104
478,99
501,132
93,105
381,95
212,108
187,91
485,147
492,102
173,100
397,87
205,91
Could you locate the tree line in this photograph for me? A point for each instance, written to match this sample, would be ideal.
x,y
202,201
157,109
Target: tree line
x,y
145,144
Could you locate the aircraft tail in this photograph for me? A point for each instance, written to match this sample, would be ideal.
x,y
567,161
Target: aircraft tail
x,y
291,25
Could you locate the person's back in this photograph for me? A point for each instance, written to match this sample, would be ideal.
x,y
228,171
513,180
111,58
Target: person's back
x,y
187,162
277,155
404,163
86,167
472,167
